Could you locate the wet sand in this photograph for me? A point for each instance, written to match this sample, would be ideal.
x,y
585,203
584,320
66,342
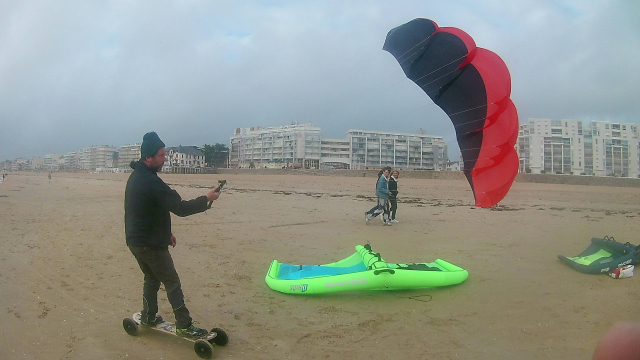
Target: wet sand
x,y
69,280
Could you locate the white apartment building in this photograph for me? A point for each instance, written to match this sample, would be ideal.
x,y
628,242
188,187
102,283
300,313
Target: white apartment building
x,y
335,154
72,161
551,147
301,145
22,164
126,155
53,162
564,147
183,160
36,164
296,145
614,149
399,150
94,157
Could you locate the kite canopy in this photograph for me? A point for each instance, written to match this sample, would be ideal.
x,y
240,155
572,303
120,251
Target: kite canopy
x,y
473,87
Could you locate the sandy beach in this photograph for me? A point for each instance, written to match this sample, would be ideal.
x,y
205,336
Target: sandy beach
x,y
68,279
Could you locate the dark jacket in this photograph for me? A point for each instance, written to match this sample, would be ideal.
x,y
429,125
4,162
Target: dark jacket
x,y
147,203
393,188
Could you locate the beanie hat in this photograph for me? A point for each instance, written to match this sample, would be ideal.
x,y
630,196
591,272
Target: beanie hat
x,y
151,143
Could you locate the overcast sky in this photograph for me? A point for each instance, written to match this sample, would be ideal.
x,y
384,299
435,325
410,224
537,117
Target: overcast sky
x,y
79,73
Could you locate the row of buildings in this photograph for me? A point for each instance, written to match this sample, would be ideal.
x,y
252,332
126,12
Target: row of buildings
x,y
105,158
544,146
301,145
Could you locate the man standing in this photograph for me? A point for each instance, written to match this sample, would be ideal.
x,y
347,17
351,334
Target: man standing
x,y
148,202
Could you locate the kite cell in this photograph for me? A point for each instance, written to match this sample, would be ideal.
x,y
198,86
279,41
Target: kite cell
x,y
473,87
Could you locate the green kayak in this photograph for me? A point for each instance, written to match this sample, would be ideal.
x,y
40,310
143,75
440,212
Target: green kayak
x,y
364,270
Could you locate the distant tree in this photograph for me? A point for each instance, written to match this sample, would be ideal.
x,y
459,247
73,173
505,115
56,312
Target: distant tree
x,y
216,155
252,165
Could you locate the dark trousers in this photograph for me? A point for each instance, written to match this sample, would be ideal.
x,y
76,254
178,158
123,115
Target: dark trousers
x,y
157,267
394,207
381,208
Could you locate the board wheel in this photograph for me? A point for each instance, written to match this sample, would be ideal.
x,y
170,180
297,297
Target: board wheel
x,y
130,326
203,349
221,338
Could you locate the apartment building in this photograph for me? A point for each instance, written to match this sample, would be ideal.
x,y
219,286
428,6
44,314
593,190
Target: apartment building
x,y
72,161
566,147
302,146
398,150
22,164
183,160
551,147
614,149
35,164
296,145
101,156
335,154
127,154
53,162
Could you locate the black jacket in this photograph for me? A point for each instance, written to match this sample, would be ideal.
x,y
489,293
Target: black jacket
x,y
393,187
147,203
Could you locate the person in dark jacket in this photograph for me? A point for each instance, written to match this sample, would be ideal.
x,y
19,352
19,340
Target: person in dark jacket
x,y
393,197
148,202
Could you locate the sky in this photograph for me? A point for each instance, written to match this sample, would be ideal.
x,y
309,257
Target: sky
x,y
74,74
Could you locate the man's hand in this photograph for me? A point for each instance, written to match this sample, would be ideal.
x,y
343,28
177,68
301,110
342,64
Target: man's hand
x,y
173,241
213,194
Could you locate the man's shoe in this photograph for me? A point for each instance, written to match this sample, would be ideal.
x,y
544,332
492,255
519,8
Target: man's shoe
x,y
157,320
192,332
387,223
394,221
367,217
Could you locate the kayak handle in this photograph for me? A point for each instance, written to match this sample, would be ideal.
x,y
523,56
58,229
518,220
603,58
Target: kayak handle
x,y
378,272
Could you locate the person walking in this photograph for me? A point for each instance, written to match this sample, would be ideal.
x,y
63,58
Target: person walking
x,y
148,202
393,197
383,194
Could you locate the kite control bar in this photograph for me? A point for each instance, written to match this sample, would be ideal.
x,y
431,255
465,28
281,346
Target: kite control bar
x,y
221,183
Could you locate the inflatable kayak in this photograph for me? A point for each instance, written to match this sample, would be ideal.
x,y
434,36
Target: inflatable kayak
x,y
603,256
364,270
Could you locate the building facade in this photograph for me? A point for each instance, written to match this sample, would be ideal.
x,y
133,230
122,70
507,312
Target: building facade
x,y
72,161
335,154
398,150
101,156
614,149
302,146
296,146
127,154
551,147
53,162
184,160
567,147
